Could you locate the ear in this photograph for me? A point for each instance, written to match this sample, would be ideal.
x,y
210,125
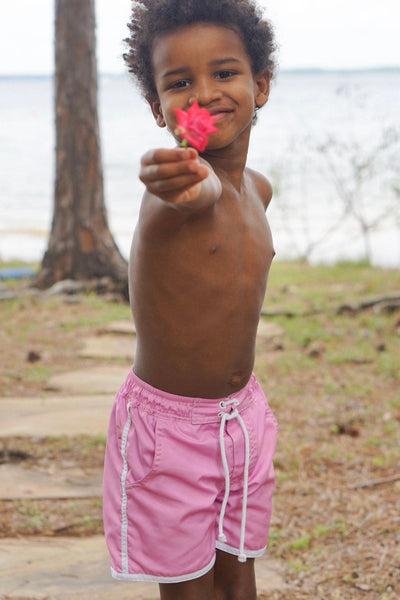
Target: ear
x,y
155,106
261,88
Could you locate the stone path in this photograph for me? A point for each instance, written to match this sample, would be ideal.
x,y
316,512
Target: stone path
x,y
18,482
76,403
97,380
63,569
61,415
78,569
115,347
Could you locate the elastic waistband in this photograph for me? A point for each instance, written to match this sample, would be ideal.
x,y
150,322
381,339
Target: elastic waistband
x,y
197,410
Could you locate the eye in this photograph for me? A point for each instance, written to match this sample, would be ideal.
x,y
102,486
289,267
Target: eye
x,y
225,74
182,83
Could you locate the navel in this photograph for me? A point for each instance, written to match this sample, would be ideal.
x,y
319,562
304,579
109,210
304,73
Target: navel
x,y
237,380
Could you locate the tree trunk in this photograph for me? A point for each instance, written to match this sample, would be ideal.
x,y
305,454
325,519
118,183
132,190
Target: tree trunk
x,y
80,245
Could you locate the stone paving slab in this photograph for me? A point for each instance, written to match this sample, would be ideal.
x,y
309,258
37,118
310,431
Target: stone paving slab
x,y
109,346
265,328
124,346
268,329
78,569
37,482
96,380
52,416
123,326
63,569
58,415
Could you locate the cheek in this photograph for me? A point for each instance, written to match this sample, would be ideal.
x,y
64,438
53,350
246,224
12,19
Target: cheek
x,y
171,124
252,98
169,116
247,98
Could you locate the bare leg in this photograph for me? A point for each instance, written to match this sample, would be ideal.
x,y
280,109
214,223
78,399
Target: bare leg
x,y
229,580
234,580
201,588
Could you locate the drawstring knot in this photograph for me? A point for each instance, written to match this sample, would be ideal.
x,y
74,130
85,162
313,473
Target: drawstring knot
x,y
229,416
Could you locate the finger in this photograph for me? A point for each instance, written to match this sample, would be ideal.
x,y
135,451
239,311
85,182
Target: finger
x,y
173,184
192,170
160,155
167,170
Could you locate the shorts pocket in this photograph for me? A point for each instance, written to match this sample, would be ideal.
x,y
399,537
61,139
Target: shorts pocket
x,y
262,428
270,417
142,449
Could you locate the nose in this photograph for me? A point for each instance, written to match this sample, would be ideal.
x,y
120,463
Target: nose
x,y
206,90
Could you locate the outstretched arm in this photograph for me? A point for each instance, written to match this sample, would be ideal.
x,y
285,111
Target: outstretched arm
x,y
179,178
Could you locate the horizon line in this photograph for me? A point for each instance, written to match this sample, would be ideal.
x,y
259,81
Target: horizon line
x,y
279,70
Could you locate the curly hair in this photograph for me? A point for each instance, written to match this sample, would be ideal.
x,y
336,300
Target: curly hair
x,y
151,18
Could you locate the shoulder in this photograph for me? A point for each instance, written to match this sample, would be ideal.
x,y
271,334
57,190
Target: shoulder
x,y
262,186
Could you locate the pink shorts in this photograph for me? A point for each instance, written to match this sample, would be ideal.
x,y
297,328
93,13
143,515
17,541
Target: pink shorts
x,y
184,476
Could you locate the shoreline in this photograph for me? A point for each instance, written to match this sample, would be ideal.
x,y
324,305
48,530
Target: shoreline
x,y
385,69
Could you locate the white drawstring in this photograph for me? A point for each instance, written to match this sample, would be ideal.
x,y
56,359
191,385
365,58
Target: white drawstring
x,y
228,417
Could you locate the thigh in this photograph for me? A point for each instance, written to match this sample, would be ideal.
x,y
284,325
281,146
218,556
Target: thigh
x,y
201,588
234,580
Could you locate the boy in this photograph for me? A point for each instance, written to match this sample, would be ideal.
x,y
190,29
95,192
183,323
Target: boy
x,y
188,473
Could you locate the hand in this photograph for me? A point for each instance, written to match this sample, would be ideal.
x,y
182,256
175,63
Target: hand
x,y
174,175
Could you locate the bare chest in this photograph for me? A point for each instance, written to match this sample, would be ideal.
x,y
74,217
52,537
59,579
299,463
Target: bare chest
x,y
231,245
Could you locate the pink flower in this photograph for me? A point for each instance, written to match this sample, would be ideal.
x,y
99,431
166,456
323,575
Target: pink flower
x,y
194,126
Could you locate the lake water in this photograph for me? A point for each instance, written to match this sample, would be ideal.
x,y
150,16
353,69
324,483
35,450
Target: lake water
x,y
326,140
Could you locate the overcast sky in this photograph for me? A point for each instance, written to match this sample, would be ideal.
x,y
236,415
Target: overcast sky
x,y
333,34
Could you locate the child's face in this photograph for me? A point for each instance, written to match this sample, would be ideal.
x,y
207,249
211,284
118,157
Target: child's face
x,y
207,63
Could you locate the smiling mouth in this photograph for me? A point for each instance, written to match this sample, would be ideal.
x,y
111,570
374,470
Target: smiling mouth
x,y
220,114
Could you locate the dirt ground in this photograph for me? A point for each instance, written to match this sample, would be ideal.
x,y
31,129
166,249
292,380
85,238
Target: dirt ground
x,y
332,378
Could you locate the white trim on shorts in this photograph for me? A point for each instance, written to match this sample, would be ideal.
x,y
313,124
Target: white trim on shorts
x,y
235,551
124,503
157,579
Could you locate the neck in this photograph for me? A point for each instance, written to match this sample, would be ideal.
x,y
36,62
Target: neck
x,y
231,162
